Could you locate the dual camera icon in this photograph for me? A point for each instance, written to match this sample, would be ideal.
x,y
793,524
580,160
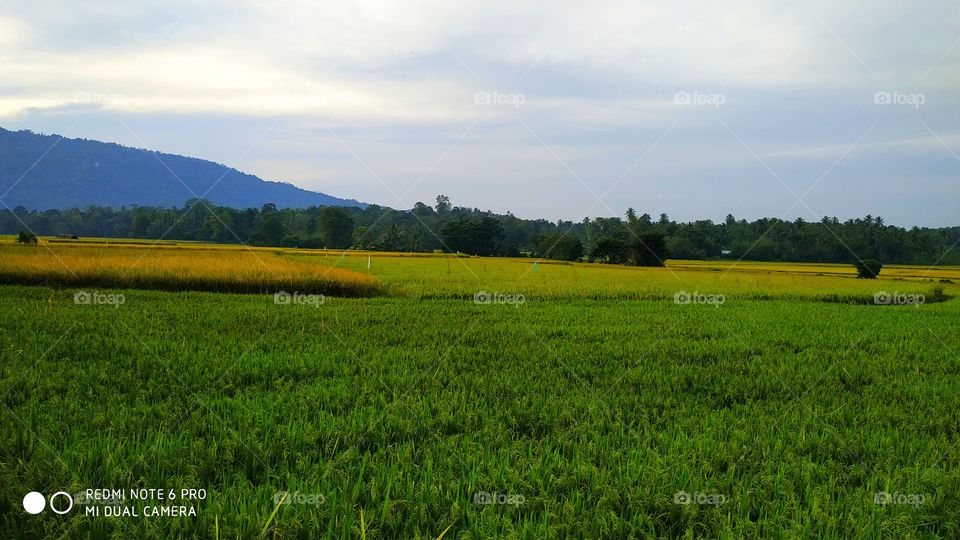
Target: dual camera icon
x,y
34,502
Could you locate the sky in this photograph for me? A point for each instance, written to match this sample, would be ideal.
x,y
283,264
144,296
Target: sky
x,y
560,110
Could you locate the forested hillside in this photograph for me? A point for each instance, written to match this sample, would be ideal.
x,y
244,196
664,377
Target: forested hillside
x,y
48,171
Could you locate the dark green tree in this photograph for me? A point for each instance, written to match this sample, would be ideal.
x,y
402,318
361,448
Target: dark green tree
x,y
564,247
26,237
646,249
270,229
609,250
868,269
443,205
336,227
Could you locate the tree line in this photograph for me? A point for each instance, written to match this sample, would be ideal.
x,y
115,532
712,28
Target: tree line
x,y
633,239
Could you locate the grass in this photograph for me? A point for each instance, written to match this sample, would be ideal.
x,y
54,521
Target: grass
x,y
597,400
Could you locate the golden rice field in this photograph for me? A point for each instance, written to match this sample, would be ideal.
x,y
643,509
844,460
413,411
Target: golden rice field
x,y
440,277
230,268
139,267
901,271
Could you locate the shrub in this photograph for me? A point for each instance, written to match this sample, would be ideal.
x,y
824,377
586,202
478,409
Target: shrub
x,y
868,269
26,238
937,294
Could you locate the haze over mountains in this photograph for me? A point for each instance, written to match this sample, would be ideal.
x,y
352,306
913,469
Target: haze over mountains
x,y
41,172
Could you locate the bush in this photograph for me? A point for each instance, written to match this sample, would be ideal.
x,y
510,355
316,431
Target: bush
x,y
937,294
868,269
27,238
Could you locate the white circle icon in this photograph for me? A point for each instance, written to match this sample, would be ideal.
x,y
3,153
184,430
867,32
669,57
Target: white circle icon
x,y
57,510
34,502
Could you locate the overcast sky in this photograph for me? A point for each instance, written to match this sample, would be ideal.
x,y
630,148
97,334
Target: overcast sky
x,y
547,109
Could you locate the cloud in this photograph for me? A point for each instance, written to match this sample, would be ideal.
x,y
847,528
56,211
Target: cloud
x,y
384,58
11,31
597,83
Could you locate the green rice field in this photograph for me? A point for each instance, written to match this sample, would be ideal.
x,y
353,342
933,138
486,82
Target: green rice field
x,y
468,398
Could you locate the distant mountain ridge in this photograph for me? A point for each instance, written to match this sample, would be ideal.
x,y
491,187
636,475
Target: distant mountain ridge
x,y
77,173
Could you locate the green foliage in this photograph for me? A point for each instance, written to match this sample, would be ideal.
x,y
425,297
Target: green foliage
x,y
681,247
868,269
478,236
422,209
26,237
564,247
336,227
647,248
471,230
443,205
269,230
392,240
608,250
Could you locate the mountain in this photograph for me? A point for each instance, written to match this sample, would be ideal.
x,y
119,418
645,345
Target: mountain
x,y
56,172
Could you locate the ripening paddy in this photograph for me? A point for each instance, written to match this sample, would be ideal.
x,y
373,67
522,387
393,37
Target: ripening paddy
x,y
464,276
165,268
223,268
